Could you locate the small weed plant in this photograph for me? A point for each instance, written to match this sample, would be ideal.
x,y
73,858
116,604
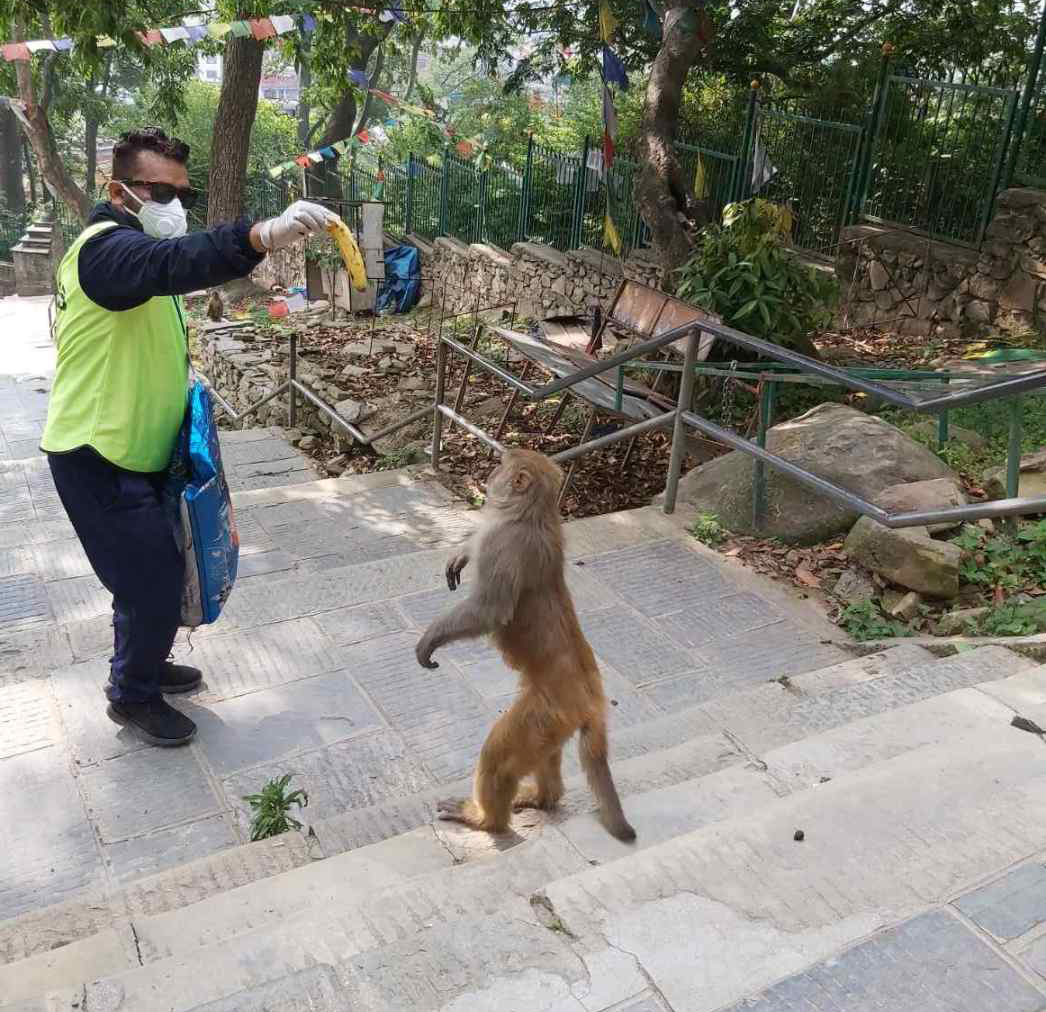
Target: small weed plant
x,y
708,530
272,807
865,620
1019,619
999,559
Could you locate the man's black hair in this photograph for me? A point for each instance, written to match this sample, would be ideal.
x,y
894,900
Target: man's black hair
x,y
127,148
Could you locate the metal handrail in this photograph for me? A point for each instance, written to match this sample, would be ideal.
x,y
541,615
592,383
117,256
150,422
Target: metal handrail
x,y
682,417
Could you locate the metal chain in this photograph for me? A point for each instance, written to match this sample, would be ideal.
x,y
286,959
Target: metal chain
x,y
729,392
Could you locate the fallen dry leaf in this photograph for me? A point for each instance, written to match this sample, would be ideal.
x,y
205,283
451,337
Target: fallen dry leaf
x,y
805,577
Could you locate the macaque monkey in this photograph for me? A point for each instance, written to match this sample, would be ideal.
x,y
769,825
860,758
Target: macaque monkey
x,y
215,307
520,599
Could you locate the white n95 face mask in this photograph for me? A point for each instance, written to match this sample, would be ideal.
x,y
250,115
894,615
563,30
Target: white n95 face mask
x,y
161,221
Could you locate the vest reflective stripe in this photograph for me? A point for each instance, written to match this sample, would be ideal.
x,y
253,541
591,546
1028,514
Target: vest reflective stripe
x,y
120,384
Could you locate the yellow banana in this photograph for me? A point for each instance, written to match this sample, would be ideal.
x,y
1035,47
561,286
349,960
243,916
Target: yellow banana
x,y
350,253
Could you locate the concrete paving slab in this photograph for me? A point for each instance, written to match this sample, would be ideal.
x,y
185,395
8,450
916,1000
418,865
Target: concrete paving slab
x,y
928,963
49,847
658,578
28,720
244,662
61,560
265,564
315,989
1010,906
167,848
33,652
16,560
146,790
351,774
722,618
778,650
346,626
262,726
633,646
23,603
79,598
90,735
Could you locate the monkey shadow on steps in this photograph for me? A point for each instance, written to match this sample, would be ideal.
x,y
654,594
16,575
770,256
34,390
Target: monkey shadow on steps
x,y
467,844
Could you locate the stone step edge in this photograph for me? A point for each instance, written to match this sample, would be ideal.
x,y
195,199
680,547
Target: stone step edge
x,y
353,923
334,488
66,923
1033,647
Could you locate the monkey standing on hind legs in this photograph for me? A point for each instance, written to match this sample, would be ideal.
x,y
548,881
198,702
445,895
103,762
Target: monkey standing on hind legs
x,y
520,598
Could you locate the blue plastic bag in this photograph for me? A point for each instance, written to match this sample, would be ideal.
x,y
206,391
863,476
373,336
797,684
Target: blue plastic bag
x,y
399,291
200,509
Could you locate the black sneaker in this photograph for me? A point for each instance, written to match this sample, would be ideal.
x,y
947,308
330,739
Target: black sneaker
x,y
175,678
158,722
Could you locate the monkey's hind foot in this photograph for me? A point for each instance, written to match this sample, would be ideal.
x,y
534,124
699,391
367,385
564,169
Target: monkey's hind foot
x,y
467,813
534,797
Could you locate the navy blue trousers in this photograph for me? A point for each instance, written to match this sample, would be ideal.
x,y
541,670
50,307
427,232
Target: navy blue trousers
x,y
120,521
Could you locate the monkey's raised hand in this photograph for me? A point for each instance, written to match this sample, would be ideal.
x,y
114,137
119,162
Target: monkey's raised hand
x,y
454,568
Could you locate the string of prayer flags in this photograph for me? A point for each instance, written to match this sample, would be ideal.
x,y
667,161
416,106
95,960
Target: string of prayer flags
x,y
359,78
257,28
607,22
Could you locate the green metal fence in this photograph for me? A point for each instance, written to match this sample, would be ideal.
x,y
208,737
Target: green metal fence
x,y
937,152
12,228
1030,156
811,164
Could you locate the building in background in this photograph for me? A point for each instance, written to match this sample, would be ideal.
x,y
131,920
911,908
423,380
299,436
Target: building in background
x,y
279,85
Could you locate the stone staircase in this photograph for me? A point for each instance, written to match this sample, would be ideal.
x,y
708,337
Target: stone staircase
x,y
817,830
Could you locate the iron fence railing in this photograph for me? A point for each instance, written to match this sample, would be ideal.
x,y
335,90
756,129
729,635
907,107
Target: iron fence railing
x,y
12,228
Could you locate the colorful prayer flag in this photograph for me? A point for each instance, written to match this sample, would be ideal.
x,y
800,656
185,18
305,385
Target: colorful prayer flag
x,y
219,29
607,22
275,171
610,234
651,22
302,160
315,157
701,191
340,146
240,30
614,69
40,46
63,45
261,29
364,137
150,38
327,152
308,24
196,32
171,35
105,42
15,51
359,78
283,23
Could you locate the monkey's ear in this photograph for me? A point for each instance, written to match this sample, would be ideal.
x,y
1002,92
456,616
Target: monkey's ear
x,y
521,480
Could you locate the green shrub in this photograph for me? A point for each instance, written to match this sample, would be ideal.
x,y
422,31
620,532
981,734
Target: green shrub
x,y
744,272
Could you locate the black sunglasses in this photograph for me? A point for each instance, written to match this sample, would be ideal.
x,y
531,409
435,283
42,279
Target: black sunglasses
x,y
164,193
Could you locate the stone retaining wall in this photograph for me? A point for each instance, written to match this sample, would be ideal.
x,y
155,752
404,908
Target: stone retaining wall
x,y
894,278
541,280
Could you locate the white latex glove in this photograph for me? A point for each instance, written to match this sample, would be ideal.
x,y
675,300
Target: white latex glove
x,y
302,218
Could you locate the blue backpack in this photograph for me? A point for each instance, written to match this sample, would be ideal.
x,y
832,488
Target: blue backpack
x,y
200,509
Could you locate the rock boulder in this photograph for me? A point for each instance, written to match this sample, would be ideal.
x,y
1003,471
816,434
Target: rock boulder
x,y
858,452
932,494
1032,479
907,556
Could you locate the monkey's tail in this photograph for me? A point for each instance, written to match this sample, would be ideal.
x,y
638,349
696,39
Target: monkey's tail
x,y
592,748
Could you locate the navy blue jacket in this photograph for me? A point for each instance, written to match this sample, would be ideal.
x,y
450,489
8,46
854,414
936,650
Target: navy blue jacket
x,y
123,267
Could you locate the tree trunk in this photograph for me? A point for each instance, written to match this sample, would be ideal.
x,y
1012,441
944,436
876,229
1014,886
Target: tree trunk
x,y
91,124
33,117
11,186
30,173
663,194
237,107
